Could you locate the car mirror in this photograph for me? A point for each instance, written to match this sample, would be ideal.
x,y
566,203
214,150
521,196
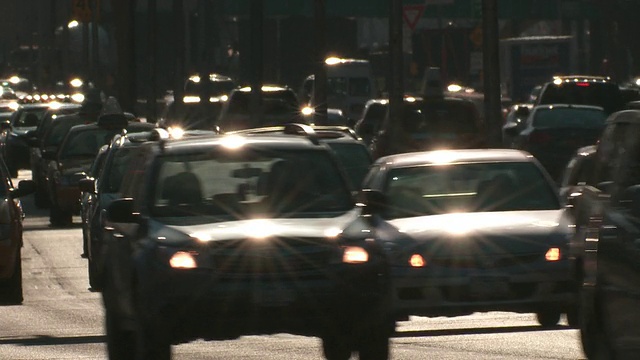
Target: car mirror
x,y
25,187
87,185
121,211
374,201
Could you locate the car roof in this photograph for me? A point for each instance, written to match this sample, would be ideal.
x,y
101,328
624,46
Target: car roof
x,y
631,116
322,132
439,157
582,78
568,106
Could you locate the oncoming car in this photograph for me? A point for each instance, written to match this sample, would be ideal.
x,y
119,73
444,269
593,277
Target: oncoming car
x,y
221,236
473,230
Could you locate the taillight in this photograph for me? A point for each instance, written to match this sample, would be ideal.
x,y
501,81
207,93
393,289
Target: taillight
x,y
355,255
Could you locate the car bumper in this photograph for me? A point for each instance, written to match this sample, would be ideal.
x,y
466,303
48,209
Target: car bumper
x,y
419,292
199,304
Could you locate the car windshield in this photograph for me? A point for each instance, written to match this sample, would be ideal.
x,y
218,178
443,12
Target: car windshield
x,y
355,160
250,183
441,118
569,117
86,143
475,187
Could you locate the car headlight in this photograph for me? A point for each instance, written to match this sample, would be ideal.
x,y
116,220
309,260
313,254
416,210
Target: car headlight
x,y
354,255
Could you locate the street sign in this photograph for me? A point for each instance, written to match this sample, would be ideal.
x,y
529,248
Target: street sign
x,y
81,10
412,14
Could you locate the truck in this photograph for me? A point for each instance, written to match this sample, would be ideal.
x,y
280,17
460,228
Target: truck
x,y
533,60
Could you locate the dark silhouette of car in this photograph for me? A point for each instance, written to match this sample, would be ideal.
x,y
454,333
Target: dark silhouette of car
x,y
14,145
242,234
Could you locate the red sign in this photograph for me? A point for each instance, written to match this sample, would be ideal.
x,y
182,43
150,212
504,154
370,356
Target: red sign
x,y
412,14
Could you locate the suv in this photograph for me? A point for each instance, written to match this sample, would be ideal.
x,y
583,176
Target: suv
x,y
280,106
582,90
221,236
606,250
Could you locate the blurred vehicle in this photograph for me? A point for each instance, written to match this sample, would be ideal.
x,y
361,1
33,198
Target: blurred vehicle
x,y
515,122
20,86
607,250
14,145
89,197
375,110
552,133
431,123
11,217
242,234
350,84
73,158
582,90
473,230
352,153
576,176
279,104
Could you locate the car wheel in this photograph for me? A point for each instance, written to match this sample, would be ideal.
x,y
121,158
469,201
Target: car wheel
x,y
59,217
548,318
374,347
11,290
336,347
95,280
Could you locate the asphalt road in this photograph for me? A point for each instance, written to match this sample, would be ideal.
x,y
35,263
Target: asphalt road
x,y
62,319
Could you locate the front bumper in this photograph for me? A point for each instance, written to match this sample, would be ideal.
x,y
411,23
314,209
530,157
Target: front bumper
x,y
432,292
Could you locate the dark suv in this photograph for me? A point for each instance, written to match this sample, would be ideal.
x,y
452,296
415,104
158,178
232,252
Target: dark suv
x,y
222,236
582,90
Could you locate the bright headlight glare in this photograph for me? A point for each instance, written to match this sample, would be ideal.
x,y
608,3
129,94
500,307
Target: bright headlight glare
x,y
183,260
553,254
307,110
355,255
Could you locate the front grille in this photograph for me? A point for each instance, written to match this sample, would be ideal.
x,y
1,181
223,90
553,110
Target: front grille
x,y
486,261
286,257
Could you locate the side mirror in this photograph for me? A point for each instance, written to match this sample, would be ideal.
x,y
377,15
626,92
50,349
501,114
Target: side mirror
x,y
25,187
121,211
374,201
87,184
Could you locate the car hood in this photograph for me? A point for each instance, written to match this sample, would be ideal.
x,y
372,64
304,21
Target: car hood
x,y
307,228
485,232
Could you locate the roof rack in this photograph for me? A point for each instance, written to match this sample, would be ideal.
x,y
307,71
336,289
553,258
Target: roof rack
x,y
302,129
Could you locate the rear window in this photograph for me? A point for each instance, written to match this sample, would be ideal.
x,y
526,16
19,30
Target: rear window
x,y
441,117
569,117
605,95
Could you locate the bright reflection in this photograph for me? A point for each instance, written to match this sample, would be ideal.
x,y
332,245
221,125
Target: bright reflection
x,y
36,97
72,24
183,260
14,106
14,80
417,260
332,232
201,236
189,99
233,141
195,78
76,83
454,88
175,132
307,110
355,255
441,157
553,254
557,81
410,99
77,97
332,61
224,98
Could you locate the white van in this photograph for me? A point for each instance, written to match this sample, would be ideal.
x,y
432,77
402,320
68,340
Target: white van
x,y
350,84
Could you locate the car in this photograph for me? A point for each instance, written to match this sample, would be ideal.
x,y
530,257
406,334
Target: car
x,y
88,196
229,235
373,114
430,123
514,122
577,175
280,106
552,133
14,145
353,154
473,230
582,90
73,158
607,249
11,217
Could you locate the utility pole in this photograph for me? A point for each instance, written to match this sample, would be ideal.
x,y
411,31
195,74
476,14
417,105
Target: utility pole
x,y
396,76
257,59
124,11
491,71
179,43
151,58
320,71
96,73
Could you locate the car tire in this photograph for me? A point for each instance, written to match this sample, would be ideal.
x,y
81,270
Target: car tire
x,y
336,347
374,347
11,290
59,217
548,318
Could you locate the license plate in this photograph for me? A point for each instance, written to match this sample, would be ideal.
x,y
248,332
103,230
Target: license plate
x,y
489,287
273,296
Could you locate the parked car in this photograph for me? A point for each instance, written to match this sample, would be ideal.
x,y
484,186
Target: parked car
x,y
553,133
73,158
577,175
608,252
373,114
473,230
11,216
223,236
280,106
515,122
582,90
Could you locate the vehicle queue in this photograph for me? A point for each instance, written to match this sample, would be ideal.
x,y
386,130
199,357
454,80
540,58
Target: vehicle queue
x,y
296,227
